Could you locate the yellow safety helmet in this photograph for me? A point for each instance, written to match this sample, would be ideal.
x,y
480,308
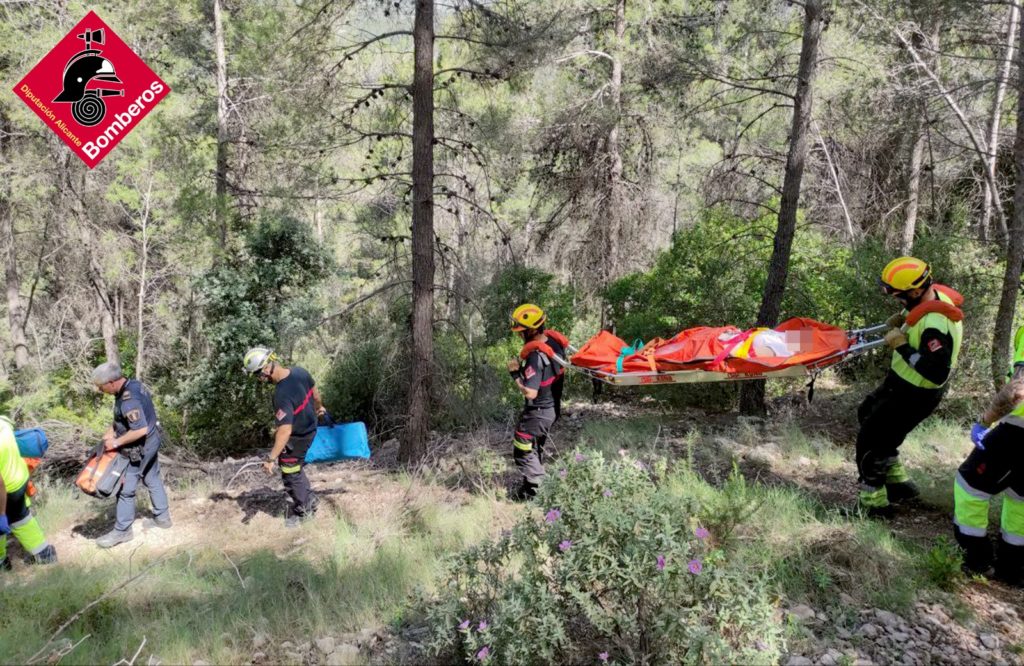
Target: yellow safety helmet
x,y
905,274
528,316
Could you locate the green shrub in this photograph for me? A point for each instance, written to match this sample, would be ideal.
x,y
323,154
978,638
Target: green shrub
x,y
365,381
611,565
515,285
261,295
942,564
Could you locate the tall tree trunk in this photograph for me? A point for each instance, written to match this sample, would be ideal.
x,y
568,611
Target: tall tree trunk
x,y
752,393
75,180
914,180
140,337
613,225
222,125
107,326
993,128
919,136
1015,246
16,311
414,440
615,195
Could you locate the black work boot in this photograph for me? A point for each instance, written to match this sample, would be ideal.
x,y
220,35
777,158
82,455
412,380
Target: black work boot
x,y
879,512
296,518
977,551
904,491
1010,564
47,555
525,492
312,506
115,537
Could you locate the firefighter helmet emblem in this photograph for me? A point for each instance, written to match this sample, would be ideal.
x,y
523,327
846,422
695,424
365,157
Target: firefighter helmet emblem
x,y
86,77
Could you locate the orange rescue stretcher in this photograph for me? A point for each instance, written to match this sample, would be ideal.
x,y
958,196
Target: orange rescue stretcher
x,y
798,347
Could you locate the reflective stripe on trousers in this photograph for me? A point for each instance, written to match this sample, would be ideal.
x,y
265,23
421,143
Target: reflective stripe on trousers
x,y
970,514
1012,518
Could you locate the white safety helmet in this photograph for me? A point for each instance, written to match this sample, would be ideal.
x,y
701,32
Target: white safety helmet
x,y
257,358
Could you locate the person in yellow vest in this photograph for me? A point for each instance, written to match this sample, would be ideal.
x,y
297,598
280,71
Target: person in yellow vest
x,y
15,515
925,338
996,465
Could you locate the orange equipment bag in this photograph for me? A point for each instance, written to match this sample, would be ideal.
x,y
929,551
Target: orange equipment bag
x,y
102,475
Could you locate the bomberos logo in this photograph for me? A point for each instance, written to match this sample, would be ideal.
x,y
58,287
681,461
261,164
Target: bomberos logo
x,y
91,89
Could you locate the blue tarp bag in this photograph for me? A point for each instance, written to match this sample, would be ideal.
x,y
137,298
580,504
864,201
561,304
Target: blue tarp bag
x,y
32,442
339,441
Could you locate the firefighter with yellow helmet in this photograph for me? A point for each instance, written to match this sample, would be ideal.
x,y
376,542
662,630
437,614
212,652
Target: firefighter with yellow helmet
x,y
538,375
925,338
996,465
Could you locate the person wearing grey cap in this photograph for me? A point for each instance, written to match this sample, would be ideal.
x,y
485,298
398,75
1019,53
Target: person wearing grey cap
x,y
136,434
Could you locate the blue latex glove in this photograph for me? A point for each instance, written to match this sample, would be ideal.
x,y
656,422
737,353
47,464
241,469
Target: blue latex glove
x,y
978,433
5,527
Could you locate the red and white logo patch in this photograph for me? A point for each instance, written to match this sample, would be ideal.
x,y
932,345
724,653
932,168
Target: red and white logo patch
x,y
934,345
91,89
530,372
279,415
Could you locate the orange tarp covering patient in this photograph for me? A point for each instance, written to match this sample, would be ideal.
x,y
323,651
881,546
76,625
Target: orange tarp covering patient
x,y
795,341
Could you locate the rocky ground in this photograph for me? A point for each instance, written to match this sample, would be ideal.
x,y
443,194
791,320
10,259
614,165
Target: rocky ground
x,y
927,635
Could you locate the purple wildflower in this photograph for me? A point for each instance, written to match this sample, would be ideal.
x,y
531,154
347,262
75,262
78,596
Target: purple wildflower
x,y
661,562
553,515
607,492
484,652
695,567
580,457
482,626
562,473
464,625
701,533
565,545
603,657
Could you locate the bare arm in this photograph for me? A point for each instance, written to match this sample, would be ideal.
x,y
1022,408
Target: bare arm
x,y
1011,395
318,401
526,391
281,436
126,439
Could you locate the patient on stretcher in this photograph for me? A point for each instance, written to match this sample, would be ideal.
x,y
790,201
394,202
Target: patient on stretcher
x,y
765,342
717,349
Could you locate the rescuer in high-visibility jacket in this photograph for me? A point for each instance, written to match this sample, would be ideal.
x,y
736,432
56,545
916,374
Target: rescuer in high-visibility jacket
x,y
15,505
996,465
925,337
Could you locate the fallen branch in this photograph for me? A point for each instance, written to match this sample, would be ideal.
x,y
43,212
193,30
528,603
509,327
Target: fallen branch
x,y
200,467
242,469
125,662
65,652
237,573
34,658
